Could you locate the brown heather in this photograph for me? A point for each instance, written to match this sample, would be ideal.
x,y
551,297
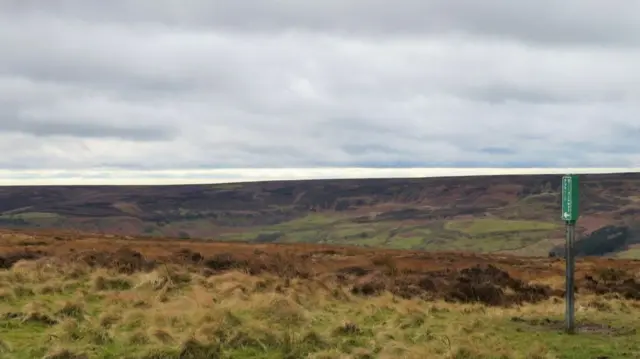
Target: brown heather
x,y
82,296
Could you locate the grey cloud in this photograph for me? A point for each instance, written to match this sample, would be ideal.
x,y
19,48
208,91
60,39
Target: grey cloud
x,y
545,21
92,130
162,84
497,150
32,112
626,131
115,59
501,94
358,149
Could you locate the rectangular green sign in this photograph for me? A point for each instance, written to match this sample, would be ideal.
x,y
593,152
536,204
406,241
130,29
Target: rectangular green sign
x,y
570,198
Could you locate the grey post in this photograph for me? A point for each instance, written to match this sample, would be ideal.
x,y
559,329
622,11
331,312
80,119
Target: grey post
x,y
570,270
570,214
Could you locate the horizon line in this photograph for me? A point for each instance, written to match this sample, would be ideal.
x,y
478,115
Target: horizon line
x,y
123,177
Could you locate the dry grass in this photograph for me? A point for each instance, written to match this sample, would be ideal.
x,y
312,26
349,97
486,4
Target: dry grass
x,y
171,313
292,304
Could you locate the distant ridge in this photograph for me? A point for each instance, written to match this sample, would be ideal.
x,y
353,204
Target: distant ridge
x,y
108,176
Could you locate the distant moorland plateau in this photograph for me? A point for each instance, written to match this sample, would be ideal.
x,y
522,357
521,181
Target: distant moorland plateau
x,y
499,214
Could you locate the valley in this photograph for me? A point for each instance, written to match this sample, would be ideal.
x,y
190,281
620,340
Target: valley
x,y
484,214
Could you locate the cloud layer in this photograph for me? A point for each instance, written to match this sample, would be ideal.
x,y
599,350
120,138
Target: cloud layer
x,y
219,84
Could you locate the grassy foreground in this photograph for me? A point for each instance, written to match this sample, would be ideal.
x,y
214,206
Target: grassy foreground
x,y
51,309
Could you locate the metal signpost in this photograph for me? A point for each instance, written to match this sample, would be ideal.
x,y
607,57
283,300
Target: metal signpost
x,y
570,206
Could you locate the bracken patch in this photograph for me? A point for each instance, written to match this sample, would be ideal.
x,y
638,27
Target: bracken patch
x,y
124,260
8,260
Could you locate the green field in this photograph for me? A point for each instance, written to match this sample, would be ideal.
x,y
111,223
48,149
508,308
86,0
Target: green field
x,y
482,235
631,253
487,226
478,235
31,216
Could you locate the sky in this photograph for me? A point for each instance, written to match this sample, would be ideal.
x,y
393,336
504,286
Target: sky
x,y
212,85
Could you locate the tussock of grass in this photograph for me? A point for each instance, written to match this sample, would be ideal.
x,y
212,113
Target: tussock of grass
x,y
109,319
4,347
173,313
71,310
6,295
61,353
22,291
103,282
137,337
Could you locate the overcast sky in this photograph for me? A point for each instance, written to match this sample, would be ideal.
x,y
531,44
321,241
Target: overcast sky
x,y
178,84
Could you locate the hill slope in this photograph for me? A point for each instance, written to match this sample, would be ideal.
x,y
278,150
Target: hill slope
x,y
516,214
68,295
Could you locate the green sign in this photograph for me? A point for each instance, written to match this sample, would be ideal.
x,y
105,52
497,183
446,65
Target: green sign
x,y
570,198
